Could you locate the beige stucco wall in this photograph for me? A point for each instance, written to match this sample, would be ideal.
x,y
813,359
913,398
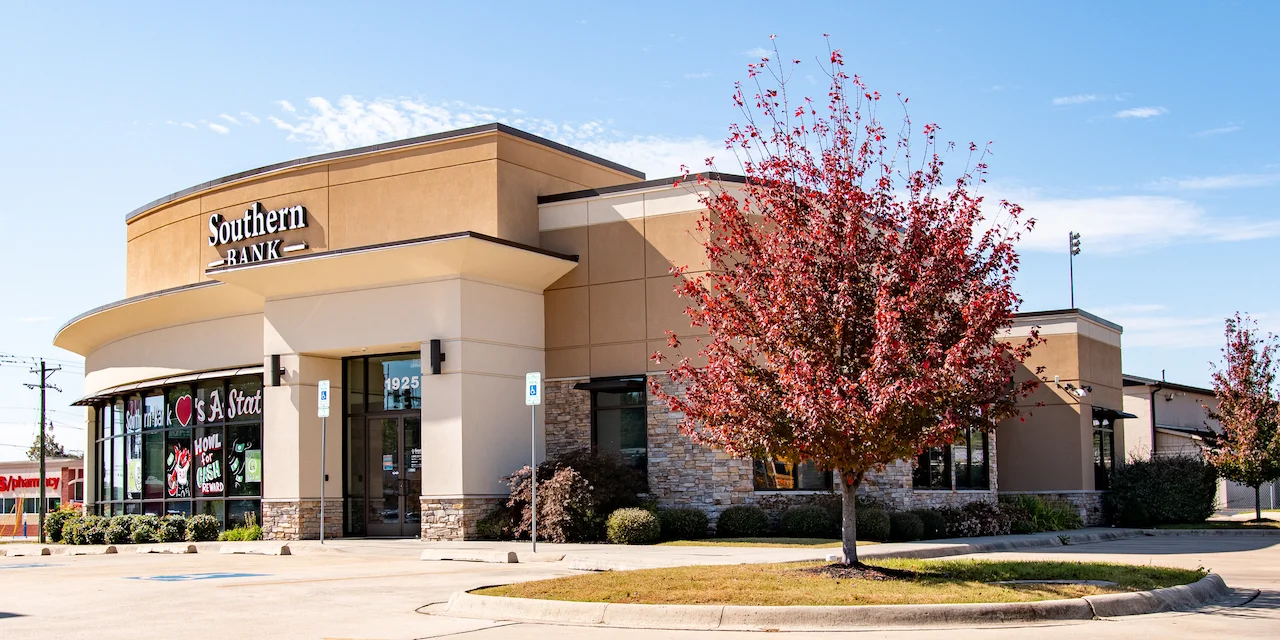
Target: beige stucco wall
x,y
221,343
1176,408
1051,447
609,314
487,183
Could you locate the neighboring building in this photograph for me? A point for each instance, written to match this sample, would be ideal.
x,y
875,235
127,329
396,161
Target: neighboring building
x,y
20,492
423,278
1181,420
1180,427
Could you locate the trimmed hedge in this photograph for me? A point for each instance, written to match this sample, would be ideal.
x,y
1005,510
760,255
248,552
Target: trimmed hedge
x,y
202,528
905,526
873,524
633,525
683,524
144,530
54,520
742,521
172,529
1172,490
933,524
809,521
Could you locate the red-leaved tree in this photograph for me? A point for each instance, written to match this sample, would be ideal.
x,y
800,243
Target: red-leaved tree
x,y
1248,449
854,299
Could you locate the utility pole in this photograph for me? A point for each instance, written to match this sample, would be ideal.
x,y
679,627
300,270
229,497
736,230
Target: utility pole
x,y
44,372
1073,245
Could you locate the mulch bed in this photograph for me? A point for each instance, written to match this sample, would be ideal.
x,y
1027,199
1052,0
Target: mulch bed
x,y
861,572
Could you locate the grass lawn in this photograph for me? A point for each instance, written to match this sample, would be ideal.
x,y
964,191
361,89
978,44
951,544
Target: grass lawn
x,y
816,543
935,582
1225,524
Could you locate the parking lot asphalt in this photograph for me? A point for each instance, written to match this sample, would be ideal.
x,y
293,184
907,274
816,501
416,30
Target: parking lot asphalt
x,y
376,590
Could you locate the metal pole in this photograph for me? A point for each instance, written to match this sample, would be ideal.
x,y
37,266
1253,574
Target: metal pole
x,y
533,457
324,432
43,505
1071,267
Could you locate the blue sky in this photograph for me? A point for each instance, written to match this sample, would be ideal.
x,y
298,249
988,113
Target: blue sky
x,y
1149,131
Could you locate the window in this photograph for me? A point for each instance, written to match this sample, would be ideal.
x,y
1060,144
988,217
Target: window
x,y
778,474
182,449
969,456
1104,445
619,423
933,469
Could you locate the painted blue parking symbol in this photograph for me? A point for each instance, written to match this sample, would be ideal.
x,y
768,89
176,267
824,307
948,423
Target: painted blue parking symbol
x,y
185,577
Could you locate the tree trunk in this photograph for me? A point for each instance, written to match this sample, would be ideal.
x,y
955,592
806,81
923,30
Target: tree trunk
x,y
849,517
1257,501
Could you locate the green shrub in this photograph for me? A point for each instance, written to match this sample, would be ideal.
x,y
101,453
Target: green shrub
x,y
1172,490
202,528
116,530
95,530
977,518
73,530
1034,514
575,491
683,524
172,529
873,524
905,526
810,521
742,521
499,524
54,520
633,525
933,524
234,534
144,530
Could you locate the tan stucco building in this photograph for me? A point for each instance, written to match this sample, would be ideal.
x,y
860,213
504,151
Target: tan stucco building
x,y
423,278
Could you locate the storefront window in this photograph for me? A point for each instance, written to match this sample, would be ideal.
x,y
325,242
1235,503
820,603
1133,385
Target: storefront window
x,y
790,475
933,469
1104,445
182,450
968,455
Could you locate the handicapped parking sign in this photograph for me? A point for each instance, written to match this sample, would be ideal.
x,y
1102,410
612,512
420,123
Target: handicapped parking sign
x,y
533,388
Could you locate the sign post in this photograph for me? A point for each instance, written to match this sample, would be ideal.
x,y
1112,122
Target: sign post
x,y
533,398
322,410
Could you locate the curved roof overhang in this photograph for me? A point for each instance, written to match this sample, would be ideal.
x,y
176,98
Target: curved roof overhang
x,y
244,289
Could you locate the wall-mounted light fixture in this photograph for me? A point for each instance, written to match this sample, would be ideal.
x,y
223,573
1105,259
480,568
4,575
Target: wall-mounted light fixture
x,y
1078,392
437,356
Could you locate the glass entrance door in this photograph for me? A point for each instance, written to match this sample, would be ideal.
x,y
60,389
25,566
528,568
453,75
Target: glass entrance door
x,y
395,474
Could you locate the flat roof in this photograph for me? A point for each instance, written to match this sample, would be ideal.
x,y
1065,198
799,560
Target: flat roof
x,y
1138,381
1080,312
638,186
385,146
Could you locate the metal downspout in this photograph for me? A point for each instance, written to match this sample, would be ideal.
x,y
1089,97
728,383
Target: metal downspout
x,y
1154,390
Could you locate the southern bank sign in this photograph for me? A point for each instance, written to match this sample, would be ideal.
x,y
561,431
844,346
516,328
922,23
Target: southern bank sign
x,y
255,223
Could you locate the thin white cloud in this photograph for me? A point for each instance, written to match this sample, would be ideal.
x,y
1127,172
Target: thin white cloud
x,y
353,122
1129,223
758,52
1154,325
695,76
1076,99
1227,181
1141,112
250,117
284,104
228,118
189,125
1217,131
217,128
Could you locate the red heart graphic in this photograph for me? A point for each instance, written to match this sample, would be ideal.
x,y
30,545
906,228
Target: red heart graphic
x,y
182,410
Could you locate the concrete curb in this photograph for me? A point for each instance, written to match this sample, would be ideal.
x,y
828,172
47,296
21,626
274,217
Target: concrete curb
x,y
748,618
255,548
497,557
17,550
1211,532
959,549
166,548
91,550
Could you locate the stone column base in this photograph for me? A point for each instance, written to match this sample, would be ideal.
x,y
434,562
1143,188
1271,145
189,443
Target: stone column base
x,y
455,517
300,519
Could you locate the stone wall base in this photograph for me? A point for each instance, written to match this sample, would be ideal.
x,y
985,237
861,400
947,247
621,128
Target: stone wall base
x,y
300,519
455,517
1087,503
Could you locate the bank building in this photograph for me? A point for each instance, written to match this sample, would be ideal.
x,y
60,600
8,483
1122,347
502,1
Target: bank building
x,y
424,278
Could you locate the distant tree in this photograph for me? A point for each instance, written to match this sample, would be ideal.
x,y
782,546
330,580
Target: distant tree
x,y
51,447
854,300
1248,449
